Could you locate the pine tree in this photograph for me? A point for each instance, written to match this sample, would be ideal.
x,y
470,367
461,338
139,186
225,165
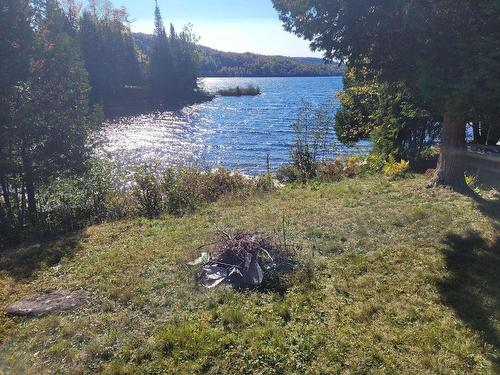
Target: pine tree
x,y
160,63
16,44
51,110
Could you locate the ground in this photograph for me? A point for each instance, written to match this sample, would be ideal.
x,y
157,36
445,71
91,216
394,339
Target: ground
x,y
394,278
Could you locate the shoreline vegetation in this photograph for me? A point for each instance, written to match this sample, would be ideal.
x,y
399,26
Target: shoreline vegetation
x,y
249,90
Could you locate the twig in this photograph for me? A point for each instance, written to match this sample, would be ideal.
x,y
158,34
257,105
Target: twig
x,y
205,245
267,253
224,233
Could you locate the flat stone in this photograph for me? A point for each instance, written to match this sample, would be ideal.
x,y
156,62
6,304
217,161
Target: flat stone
x,y
43,304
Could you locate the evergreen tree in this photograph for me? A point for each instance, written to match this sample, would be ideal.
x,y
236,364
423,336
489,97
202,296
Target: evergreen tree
x,y
109,52
173,61
50,110
16,43
445,51
160,60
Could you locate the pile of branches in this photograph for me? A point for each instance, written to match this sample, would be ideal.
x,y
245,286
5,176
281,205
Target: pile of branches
x,y
245,259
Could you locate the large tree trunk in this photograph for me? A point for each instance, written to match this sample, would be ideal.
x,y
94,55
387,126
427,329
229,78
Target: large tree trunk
x,y
30,189
450,169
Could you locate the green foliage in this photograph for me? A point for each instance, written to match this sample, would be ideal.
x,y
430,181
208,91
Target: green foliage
x,y
330,170
445,53
229,64
181,194
387,114
214,63
173,61
109,53
147,191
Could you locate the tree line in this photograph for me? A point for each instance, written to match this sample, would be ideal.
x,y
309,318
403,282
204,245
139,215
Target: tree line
x,y
214,63
419,71
60,65
229,64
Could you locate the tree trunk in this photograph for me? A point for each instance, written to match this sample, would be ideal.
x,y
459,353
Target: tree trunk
x,y
477,133
450,169
30,189
6,199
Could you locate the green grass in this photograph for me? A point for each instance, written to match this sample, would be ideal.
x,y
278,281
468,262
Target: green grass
x,y
395,279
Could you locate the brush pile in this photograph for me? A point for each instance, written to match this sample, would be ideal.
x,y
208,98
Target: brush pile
x,y
244,260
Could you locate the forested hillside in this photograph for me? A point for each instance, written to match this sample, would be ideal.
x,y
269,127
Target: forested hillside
x,y
214,63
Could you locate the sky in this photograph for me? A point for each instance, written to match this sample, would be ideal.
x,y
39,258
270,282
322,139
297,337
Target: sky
x,y
227,25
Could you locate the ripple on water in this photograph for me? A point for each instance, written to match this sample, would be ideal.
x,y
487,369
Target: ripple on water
x,y
237,133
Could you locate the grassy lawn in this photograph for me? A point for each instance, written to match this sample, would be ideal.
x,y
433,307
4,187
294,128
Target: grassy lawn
x,y
394,279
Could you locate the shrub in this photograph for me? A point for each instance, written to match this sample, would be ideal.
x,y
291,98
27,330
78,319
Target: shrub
x,y
211,185
68,203
353,166
266,183
179,187
330,171
186,189
147,191
374,163
287,173
394,169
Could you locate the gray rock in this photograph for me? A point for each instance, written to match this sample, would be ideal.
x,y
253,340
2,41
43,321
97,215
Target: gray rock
x,y
43,304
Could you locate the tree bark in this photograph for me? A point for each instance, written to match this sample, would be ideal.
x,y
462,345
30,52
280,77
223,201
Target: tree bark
x,y
450,169
30,189
477,133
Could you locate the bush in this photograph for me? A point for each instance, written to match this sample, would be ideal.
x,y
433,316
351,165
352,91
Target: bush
x,y
374,163
180,192
147,191
68,203
211,185
330,171
394,169
287,173
353,166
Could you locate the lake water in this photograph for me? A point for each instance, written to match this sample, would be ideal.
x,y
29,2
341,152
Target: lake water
x,y
233,132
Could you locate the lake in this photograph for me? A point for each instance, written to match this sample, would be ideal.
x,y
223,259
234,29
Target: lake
x,y
233,132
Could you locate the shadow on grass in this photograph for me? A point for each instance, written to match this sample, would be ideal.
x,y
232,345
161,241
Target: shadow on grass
x,y
22,262
491,208
473,287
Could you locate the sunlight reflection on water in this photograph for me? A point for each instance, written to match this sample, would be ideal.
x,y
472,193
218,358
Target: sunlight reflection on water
x,y
237,133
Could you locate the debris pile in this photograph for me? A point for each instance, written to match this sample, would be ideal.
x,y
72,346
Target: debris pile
x,y
246,259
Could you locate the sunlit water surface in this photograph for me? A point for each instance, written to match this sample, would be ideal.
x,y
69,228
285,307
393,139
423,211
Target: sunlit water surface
x,y
237,133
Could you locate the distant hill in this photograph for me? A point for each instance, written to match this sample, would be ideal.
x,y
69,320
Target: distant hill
x,y
216,63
